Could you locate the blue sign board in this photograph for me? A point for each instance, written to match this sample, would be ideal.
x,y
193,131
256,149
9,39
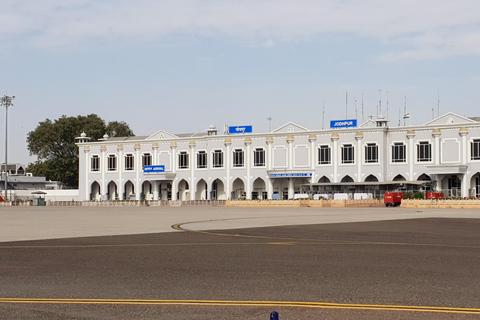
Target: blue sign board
x,y
153,169
343,123
289,175
240,129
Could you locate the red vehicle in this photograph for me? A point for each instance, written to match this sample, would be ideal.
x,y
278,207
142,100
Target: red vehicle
x,y
434,195
393,199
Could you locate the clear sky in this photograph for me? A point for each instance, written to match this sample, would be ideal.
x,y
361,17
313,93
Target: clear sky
x,y
181,65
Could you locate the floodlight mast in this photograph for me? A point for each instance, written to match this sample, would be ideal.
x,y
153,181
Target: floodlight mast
x,y
6,101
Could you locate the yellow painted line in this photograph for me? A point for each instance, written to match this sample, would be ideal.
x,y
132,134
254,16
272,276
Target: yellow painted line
x,y
297,304
282,243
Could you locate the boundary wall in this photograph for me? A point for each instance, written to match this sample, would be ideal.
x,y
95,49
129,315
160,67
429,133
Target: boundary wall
x,y
441,203
406,203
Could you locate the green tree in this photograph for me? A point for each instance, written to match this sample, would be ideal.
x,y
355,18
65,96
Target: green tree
x,y
53,142
118,129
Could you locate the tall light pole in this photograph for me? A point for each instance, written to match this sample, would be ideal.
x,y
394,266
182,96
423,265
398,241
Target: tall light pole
x,y
6,101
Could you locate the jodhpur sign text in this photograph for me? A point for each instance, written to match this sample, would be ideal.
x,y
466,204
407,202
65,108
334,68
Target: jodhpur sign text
x,y
343,123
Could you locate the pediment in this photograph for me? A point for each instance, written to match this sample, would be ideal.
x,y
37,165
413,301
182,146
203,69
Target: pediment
x,y
160,135
449,118
290,127
368,124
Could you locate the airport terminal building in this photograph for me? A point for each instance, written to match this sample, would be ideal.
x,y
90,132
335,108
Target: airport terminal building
x,y
442,155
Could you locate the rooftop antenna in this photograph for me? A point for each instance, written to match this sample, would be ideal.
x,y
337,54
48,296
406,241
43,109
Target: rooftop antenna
x,y
363,118
356,114
323,115
380,102
387,104
404,108
438,103
346,105
399,116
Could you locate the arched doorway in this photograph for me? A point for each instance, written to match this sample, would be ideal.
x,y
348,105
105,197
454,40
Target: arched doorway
x,y
112,191
323,179
129,191
259,189
183,190
371,178
399,177
238,189
202,189
346,179
95,194
147,191
218,190
475,185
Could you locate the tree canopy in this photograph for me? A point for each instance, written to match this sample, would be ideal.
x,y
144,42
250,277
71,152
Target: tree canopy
x,y
53,142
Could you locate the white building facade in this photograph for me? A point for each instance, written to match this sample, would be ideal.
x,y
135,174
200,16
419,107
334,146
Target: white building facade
x,y
444,152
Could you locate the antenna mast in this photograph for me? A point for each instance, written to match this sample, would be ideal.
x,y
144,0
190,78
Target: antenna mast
x,y
363,118
387,105
356,114
380,102
323,115
404,109
346,105
438,103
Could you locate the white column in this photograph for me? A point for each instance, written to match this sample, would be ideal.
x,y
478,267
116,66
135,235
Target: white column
x,y
269,141
290,140
137,165
174,189
436,136
291,191
155,162
463,133
193,186
87,170
173,147
270,189
120,181
359,160
411,153
228,165
103,150
335,161
248,187
312,140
